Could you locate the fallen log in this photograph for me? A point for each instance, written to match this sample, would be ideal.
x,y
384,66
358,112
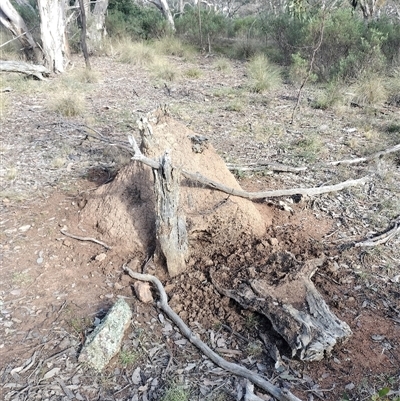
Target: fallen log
x,y
278,393
38,71
292,304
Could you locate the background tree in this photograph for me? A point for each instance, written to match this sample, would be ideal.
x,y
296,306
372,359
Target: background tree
x,y
10,18
52,29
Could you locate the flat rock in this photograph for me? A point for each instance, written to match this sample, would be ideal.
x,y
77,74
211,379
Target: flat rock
x,y
105,341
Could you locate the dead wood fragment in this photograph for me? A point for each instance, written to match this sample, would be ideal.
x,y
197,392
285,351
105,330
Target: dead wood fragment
x,y
138,155
265,165
310,329
67,234
24,68
393,229
279,394
393,149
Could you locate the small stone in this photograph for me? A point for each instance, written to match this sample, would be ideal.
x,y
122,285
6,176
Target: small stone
x,y
39,261
6,200
142,291
118,286
349,386
273,241
24,228
67,243
100,257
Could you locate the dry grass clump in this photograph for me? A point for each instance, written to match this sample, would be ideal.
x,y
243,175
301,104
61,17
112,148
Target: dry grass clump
x,y
85,76
222,64
162,69
136,53
193,72
68,104
331,96
370,90
172,46
263,75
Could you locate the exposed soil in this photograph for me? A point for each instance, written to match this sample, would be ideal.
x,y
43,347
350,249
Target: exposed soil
x,y
54,289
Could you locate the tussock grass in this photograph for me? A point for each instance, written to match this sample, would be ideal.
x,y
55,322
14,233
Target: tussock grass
x,y
173,46
85,76
136,53
222,64
162,69
67,103
370,90
193,72
333,95
263,75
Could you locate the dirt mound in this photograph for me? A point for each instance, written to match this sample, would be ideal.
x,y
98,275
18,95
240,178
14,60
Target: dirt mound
x,y
123,211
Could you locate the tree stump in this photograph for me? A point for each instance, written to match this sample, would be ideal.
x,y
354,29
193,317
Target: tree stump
x,y
285,294
170,224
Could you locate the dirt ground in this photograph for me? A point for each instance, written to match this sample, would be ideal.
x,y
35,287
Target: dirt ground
x,y
55,289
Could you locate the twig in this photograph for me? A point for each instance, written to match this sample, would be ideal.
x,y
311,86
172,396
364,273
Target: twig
x,y
280,394
85,239
138,155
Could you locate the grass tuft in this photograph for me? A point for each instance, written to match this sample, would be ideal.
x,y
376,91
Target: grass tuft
x,y
136,53
162,69
263,75
193,73
176,392
222,64
370,90
173,46
68,104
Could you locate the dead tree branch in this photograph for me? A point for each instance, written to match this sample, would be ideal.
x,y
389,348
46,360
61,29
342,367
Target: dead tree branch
x,y
279,394
393,149
197,177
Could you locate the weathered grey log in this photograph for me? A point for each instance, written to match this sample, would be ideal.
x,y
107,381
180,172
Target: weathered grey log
x,y
170,225
310,329
24,68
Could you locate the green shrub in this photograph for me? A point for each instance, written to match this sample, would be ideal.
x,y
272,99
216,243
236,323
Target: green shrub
x,y
139,22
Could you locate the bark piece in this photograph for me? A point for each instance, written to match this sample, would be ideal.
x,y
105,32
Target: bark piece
x,y
24,68
105,341
293,305
170,223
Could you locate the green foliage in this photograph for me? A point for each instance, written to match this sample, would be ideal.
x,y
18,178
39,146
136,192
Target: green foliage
x,y
264,76
300,69
126,18
202,26
350,47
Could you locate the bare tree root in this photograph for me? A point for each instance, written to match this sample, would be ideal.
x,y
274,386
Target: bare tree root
x,y
279,394
138,156
390,233
96,241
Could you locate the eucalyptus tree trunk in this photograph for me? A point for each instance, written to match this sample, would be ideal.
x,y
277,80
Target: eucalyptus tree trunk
x,y
54,39
96,25
163,6
10,18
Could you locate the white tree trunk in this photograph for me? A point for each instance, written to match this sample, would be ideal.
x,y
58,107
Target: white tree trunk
x,y
10,18
96,25
163,6
52,28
